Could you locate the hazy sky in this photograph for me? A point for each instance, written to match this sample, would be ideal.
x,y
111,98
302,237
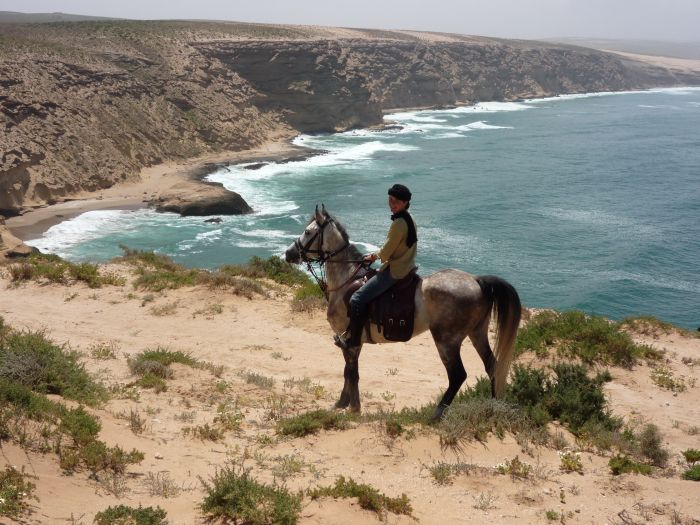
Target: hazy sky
x,y
642,19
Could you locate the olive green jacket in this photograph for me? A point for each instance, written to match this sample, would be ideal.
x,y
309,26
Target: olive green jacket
x,y
395,254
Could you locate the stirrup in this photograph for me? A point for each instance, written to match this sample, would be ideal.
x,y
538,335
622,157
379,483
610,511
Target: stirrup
x,y
341,342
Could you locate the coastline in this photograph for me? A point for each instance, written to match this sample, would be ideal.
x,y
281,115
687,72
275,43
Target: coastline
x,y
152,181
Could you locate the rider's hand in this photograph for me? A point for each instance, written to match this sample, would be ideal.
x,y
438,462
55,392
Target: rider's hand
x,y
370,258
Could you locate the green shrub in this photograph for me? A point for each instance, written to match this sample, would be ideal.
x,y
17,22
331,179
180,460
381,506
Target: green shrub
x,y
368,497
311,423
272,268
573,398
124,515
15,491
692,474
590,338
29,358
154,366
624,465
651,445
70,432
691,455
55,269
232,495
475,418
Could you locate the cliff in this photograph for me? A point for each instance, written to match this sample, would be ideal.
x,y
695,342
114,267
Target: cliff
x,y
85,105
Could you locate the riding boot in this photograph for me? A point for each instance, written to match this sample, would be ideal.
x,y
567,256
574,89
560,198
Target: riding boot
x,y
352,337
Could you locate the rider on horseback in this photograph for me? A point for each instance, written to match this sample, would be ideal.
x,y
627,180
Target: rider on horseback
x,y
398,256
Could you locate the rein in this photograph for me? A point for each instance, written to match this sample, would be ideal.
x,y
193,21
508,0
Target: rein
x,y
323,258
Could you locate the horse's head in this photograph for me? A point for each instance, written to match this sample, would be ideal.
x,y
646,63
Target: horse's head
x,y
322,238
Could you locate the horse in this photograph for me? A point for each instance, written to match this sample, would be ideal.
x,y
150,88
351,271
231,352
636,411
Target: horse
x,y
452,304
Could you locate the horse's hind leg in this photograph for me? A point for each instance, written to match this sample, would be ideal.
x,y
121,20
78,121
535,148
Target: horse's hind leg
x,y
449,353
350,395
480,340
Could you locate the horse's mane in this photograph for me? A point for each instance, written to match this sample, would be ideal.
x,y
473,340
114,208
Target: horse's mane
x,y
354,253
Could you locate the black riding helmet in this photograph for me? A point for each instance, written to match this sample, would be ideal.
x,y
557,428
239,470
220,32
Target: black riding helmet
x,y
401,192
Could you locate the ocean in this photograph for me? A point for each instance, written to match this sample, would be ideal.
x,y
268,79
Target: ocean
x,y
588,202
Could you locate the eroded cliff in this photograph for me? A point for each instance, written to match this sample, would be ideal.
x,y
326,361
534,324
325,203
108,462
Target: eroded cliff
x,y
85,105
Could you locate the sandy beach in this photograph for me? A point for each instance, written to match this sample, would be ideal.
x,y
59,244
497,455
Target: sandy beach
x,y
152,181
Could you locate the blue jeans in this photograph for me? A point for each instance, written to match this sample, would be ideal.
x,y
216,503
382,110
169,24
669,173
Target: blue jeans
x,y
372,289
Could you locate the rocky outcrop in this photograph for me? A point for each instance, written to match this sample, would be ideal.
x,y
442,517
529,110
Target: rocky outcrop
x,y
201,198
86,105
10,246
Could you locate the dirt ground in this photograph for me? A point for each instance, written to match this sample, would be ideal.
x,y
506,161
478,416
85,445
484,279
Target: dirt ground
x,y
264,336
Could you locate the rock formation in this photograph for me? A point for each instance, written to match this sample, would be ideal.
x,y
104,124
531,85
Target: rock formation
x,y
85,105
201,198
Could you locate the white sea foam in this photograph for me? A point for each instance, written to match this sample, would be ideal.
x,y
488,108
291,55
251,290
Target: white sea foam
x,y
624,225
209,236
88,226
480,124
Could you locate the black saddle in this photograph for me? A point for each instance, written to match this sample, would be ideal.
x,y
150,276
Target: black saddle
x,y
393,311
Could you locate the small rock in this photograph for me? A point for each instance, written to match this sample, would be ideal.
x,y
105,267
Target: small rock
x,y
158,455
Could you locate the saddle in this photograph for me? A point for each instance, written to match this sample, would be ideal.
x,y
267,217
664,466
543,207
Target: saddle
x,y
393,311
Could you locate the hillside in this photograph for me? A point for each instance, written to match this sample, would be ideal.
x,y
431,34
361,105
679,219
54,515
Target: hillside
x,y
249,373
85,105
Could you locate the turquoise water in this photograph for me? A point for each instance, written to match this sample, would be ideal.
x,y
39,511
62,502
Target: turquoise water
x,y
589,202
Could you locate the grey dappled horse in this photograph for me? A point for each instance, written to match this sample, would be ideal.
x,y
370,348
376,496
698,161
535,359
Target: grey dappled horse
x,y
451,304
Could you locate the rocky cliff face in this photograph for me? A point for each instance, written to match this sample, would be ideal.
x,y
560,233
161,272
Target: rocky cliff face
x,y
86,105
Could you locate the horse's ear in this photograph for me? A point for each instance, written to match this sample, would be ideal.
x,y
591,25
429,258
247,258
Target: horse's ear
x,y
318,216
323,210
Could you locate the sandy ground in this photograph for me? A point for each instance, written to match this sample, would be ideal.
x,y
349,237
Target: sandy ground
x,y
681,64
152,181
264,336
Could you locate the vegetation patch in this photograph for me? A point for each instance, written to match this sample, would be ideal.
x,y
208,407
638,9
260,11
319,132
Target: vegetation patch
x,y
663,377
273,268
153,366
52,268
692,474
621,464
568,395
515,468
15,492
588,338
234,496
368,497
31,359
125,515
312,422
35,422
309,297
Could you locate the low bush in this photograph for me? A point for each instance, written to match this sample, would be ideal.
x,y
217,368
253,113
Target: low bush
x,y
15,492
232,495
69,432
124,515
692,474
651,445
272,268
589,338
368,497
312,422
153,366
691,455
625,465
570,396
31,359
57,270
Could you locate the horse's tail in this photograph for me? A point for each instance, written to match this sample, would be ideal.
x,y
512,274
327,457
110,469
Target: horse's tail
x,y
504,301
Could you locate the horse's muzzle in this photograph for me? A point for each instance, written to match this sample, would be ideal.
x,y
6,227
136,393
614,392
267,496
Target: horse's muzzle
x,y
292,255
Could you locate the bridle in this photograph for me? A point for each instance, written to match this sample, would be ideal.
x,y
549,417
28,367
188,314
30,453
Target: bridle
x,y
324,257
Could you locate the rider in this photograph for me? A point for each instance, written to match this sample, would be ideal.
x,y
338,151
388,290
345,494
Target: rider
x,y
398,256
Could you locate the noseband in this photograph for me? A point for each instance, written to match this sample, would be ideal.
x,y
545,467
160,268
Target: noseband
x,y
323,256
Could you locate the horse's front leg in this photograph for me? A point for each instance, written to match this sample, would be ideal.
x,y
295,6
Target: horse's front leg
x,y
350,396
